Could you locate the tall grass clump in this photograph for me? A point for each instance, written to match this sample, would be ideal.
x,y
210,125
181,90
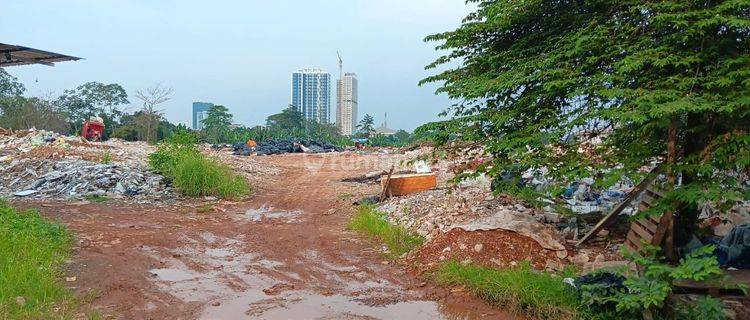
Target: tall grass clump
x,y
372,222
521,290
193,173
32,251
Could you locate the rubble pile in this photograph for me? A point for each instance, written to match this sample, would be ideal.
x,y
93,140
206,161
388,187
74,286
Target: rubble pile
x,y
284,146
471,207
256,172
42,144
496,248
59,179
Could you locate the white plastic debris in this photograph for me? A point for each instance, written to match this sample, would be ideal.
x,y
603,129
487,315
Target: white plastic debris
x,y
422,167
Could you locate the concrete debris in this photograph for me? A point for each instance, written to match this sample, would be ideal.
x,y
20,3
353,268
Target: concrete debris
x,y
433,212
518,222
59,179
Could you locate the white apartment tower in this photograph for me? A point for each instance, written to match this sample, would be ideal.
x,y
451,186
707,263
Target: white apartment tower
x,y
311,94
346,104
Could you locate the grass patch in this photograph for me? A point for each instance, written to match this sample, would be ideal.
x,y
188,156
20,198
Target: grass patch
x,y
106,157
195,174
96,198
372,222
520,290
32,250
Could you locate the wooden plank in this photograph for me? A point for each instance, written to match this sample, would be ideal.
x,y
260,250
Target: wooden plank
x,y
386,184
654,219
669,240
633,242
648,224
648,199
661,230
641,231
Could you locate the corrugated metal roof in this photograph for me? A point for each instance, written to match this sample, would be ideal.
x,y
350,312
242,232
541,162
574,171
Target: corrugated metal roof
x,y
12,55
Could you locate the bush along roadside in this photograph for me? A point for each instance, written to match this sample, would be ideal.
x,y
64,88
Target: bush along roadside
x,y
32,251
646,294
193,173
520,290
374,223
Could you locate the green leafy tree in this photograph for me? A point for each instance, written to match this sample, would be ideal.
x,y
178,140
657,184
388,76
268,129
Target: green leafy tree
x,y
18,112
94,99
629,81
216,124
402,136
366,126
289,118
9,85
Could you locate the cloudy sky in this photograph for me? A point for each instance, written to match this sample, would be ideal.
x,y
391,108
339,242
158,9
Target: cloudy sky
x,y
238,53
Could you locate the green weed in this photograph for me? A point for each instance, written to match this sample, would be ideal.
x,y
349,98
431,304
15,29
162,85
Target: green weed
x,y
374,223
32,251
106,157
521,290
195,174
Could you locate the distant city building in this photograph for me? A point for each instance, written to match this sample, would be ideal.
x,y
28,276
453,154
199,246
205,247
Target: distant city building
x,y
383,129
311,94
346,104
200,111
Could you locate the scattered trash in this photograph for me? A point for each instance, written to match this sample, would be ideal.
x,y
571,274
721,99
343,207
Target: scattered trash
x,y
421,166
734,249
269,147
25,193
367,200
73,178
605,283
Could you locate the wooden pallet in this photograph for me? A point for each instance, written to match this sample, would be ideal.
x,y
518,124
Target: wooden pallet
x,y
632,195
651,230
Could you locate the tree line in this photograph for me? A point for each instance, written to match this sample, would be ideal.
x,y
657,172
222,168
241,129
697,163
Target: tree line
x,y
67,112
291,124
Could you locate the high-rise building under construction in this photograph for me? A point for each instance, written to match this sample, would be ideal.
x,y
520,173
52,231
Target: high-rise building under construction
x,y
346,104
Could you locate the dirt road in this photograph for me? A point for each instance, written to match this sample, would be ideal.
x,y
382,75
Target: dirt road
x,y
285,253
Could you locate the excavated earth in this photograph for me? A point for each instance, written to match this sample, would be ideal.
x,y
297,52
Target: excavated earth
x,y
284,253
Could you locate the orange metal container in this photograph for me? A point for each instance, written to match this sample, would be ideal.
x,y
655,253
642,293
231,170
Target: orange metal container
x,y
403,184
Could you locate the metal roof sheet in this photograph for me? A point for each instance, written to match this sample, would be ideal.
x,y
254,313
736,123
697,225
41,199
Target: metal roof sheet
x,y
12,55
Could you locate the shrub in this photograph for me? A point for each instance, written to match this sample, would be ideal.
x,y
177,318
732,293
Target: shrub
x,y
194,174
520,290
32,250
647,292
199,176
374,223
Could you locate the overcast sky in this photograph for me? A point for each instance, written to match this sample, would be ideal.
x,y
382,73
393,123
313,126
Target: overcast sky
x,y
238,53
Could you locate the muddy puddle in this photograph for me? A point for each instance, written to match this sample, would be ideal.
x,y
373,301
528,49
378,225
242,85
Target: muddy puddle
x,y
232,283
255,304
267,212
